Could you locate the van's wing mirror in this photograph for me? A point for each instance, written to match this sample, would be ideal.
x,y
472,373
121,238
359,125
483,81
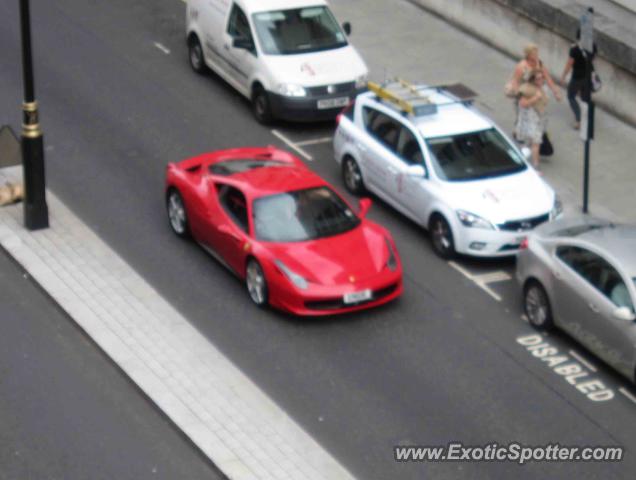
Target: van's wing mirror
x,y
346,26
243,43
625,314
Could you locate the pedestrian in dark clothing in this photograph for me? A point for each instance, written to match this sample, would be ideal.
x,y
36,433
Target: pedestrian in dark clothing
x,y
576,86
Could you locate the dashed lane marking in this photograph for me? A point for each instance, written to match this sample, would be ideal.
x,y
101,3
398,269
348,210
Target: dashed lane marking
x,y
583,360
292,145
482,280
314,141
162,48
627,394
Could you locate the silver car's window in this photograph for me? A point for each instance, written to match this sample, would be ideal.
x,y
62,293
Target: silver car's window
x,y
598,272
299,30
473,156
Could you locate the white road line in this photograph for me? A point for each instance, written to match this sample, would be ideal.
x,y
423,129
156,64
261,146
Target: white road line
x,y
292,145
162,48
315,141
583,360
475,279
493,277
627,394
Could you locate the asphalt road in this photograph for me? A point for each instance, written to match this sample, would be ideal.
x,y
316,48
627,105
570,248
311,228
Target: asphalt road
x,y
66,411
441,364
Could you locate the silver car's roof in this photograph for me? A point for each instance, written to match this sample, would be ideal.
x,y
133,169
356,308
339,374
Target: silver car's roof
x,y
617,241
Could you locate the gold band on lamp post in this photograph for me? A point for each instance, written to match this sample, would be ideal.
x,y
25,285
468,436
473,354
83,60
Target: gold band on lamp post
x,y
30,120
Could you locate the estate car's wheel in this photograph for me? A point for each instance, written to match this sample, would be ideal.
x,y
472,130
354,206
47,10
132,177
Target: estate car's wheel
x,y
352,176
195,52
261,106
256,283
177,213
537,306
441,237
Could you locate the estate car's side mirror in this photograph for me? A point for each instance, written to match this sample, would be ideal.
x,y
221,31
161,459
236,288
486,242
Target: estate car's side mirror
x,y
346,26
416,171
624,313
363,207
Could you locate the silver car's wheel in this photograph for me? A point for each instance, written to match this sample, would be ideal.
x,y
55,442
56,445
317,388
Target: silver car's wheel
x,y
441,237
256,283
352,176
195,52
537,306
177,213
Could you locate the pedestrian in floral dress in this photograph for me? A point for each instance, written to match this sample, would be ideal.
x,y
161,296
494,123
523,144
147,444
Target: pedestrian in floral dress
x,y
533,102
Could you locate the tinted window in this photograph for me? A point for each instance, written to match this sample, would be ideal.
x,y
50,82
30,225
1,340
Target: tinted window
x,y
238,26
300,30
382,127
302,215
598,272
475,155
233,202
408,148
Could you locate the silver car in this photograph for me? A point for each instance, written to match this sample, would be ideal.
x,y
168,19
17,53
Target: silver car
x,y
579,274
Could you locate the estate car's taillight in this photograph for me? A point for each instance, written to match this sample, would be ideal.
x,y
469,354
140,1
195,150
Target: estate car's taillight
x,y
524,244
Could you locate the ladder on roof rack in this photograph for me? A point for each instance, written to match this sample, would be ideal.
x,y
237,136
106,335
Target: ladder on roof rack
x,y
414,100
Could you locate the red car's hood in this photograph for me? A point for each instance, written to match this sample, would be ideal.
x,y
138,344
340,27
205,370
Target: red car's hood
x,y
346,258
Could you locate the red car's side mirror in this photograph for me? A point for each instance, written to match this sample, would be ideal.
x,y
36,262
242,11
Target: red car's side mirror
x,y
364,205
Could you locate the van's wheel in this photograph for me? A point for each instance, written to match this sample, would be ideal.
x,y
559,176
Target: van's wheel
x,y
537,306
195,52
261,106
256,283
352,176
441,237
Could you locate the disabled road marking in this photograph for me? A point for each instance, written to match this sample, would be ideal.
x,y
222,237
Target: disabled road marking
x,y
484,279
292,145
162,48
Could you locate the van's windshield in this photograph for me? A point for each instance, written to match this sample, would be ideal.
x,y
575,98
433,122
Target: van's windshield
x,y
300,30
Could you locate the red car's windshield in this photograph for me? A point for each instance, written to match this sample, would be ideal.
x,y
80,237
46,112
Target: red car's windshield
x,y
302,215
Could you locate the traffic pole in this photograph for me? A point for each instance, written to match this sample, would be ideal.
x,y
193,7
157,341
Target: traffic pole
x,y
36,213
587,126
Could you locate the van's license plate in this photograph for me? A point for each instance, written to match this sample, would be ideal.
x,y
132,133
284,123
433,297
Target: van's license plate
x,y
332,102
357,297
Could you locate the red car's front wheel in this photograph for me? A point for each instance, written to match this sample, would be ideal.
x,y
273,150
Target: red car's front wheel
x,y
177,213
256,283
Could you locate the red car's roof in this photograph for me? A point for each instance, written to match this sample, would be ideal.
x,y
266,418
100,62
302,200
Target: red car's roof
x,y
270,170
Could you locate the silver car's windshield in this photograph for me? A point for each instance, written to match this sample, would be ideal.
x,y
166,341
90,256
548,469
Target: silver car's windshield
x,y
299,30
473,156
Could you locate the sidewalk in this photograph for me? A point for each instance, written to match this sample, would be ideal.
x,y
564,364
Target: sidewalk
x,y
420,47
237,426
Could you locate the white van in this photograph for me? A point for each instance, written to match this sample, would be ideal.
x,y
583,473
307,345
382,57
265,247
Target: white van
x,y
289,57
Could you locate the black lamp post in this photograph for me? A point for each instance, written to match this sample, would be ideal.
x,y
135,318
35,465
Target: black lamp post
x,y
36,213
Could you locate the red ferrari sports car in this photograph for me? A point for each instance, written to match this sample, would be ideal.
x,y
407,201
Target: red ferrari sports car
x,y
285,231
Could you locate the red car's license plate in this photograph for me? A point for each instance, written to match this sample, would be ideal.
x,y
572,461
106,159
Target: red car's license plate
x,y
357,297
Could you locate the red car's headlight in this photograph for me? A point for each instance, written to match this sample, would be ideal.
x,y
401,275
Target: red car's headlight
x,y
293,277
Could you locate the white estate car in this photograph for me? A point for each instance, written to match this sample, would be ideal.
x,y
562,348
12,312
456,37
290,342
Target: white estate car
x,y
443,164
289,57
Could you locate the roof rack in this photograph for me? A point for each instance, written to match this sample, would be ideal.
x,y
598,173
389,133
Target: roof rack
x,y
415,101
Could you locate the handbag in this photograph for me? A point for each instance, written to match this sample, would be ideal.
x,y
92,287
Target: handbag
x,y
546,149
